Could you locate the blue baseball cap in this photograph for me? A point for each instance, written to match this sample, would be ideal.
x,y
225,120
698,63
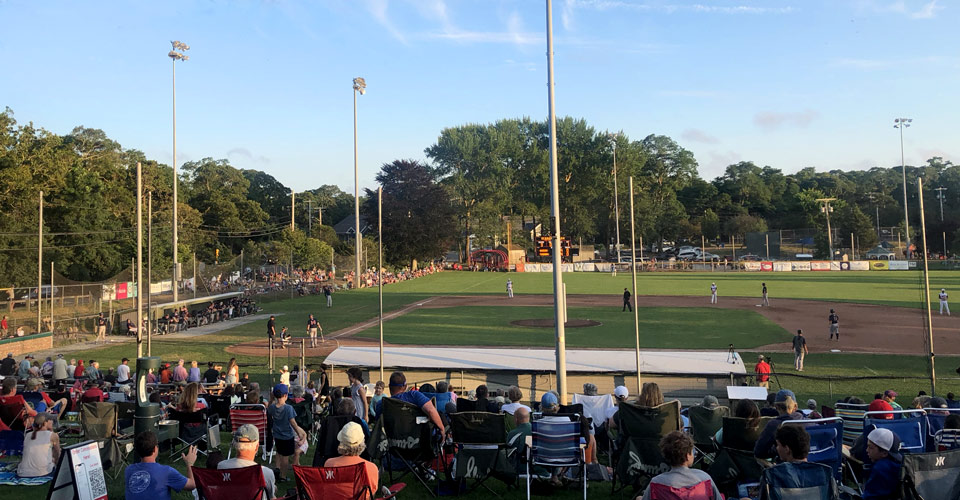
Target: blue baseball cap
x,y
548,399
279,390
782,396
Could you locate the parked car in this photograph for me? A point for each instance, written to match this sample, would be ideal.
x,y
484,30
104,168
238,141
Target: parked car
x,y
749,258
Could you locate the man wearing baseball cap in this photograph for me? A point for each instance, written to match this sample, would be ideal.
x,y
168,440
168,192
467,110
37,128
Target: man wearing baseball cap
x,y
246,440
351,445
883,449
785,403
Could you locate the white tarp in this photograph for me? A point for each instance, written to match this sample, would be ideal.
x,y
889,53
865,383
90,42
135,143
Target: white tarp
x,y
539,360
859,265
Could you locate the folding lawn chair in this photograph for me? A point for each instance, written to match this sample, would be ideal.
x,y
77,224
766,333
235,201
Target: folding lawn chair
x,y
826,442
594,407
337,483
246,483
256,415
927,476
481,440
911,428
327,438
98,422
194,431
704,424
220,408
556,443
852,415
304,418
13,413
638,445
735,464
410,442
799,481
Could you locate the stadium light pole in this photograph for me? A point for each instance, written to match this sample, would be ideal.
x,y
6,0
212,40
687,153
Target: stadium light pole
x,y
616,205
902,123
926,289
558,306
940,197
140,261
359,85
175,56
633,273
826,209
380,269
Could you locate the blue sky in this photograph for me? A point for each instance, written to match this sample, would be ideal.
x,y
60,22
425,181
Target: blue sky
x,y
786,83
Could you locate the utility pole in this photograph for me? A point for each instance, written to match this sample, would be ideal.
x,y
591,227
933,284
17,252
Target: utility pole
x,y
902,123
826,209
309,218
940,196
616,205
380,270
149,268
926,289
139,261
293,197
633,274
558,306
40,269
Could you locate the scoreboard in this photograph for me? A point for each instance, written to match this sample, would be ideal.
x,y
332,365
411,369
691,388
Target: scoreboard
x,y
545,247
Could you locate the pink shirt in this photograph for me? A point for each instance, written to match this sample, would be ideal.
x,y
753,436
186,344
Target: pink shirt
x,y
373,474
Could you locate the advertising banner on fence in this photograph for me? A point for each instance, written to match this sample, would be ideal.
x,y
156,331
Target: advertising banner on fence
x,y
766,266
859,265
566,268
604,267
120,291
835,265
844,266
782,267
819,265
751,266
898,265
546,268
880,265
800,266
531,267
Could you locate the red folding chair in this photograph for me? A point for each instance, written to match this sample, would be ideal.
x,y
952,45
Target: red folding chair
x,y
338,483
13,414
230,484
255,414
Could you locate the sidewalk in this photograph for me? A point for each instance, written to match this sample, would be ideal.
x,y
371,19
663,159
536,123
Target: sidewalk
x,y
120,340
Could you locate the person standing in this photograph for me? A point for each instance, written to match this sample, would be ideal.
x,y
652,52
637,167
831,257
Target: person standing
x,y
272,328
766,301
626,301
509,288
4,327
762,369
329,294
312,326
358,392
943,302
101,328
287,435
834,325
713,293
799,350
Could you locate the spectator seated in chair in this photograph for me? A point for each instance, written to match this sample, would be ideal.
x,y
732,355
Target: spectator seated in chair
x,y
550,405
398,390
515,395
793,446
93,394
786,405
680,482
746,409
41,402
884,479
8,395
148,479
246,440
351,439
41,449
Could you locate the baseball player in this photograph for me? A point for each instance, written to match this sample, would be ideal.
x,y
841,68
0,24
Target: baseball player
x,y
943,302
509,288
713,293
766,302
626,301
102,324
834,325
312,326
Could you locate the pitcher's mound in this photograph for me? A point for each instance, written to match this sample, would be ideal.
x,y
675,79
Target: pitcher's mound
x,y
549,323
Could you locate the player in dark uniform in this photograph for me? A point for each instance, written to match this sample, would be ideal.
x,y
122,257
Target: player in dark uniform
x,y
834,325
626,301
272,328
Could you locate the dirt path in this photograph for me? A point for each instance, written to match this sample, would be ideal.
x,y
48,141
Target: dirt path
x,y
864,328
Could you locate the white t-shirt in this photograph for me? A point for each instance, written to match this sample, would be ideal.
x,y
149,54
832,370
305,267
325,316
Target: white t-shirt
x,y
123,373
610,413
285,378
268,477
512,407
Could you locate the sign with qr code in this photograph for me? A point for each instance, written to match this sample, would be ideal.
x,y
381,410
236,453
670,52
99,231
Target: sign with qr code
x,y
79,474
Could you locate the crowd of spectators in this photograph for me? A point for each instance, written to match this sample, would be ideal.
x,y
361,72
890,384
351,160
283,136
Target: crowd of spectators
x,y
369,277
221,310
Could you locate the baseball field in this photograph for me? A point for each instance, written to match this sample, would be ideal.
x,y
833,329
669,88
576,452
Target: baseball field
x,y
883,338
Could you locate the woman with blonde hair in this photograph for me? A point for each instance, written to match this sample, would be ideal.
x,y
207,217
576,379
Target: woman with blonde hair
x,y
188,399
650,395
233,372
41,449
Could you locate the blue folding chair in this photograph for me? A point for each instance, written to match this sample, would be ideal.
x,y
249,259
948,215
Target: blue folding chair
x,y
555,442
911,427
826,442
936,420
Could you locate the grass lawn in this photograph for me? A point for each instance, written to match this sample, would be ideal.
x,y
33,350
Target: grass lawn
x,y
660,327
895,288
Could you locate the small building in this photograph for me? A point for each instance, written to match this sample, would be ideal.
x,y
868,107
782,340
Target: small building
x,y
514,253
346,228
880,253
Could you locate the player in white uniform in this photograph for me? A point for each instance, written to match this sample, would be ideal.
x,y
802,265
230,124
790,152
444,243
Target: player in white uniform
x,y
509,288
713,293
943,302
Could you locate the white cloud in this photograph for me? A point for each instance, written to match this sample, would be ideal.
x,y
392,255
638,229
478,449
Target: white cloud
x,y
697,135
378,9
773,120
702,94
928,11
673,8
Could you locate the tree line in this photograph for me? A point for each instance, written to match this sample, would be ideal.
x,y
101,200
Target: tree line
x,y
476,178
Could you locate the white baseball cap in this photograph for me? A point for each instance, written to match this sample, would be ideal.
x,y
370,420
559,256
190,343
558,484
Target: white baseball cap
x,y
284,368
886,440
621,392
351,434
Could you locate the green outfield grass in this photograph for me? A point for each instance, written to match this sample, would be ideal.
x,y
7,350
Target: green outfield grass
x,y
660,327
894,288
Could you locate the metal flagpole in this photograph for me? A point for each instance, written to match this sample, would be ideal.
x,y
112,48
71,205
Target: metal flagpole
x,y
926,288
633,267
139,261
555,223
